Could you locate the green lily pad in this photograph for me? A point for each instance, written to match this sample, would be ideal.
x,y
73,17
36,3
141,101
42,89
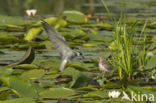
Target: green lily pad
x,y
10,39
19,100
32,33
151,63
20,87
5,71
33,74
99,94
26,66
80,79
53,21
74,16
57,93
26,59
78,66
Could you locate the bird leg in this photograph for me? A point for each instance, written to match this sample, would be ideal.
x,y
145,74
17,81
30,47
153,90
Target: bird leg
x,y
103,75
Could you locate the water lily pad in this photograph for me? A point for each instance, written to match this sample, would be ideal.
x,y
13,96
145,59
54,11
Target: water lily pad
x,y
80,79
74,16
57,93
5,71
53,21
96,94
26,66
26,59
20,87
19,100
151,63
10,39
32,33
78,66
33,74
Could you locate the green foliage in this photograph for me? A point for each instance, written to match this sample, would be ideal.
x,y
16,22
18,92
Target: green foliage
x,y
74,16
10,39
32,33
13,21
26,66
151,62
33,74
20,87
57,93
36,29
128,59
19,100
80,79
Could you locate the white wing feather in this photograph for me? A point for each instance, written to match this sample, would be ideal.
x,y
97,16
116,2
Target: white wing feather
x,y
64,62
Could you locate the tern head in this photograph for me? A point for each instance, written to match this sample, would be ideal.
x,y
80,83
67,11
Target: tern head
x,y
100,60
79,54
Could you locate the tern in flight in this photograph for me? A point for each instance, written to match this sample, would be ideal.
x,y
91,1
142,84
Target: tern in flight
x,y
61,45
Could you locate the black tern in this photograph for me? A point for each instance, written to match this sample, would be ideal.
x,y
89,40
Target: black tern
x,y
61,45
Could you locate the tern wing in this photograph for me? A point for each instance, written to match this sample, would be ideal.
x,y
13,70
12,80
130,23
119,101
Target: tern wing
x,y
57,39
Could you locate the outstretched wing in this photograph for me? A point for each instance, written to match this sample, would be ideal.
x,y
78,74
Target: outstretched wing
x,y
57,39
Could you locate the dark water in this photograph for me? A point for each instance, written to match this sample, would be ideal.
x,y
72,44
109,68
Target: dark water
x,y
142,8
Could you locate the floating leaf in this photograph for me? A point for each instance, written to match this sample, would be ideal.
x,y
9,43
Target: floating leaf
x,y
135,89
20,87
53,21
78,66
152,25
33,74
19,100
151,62
57,93
26,66
80,79
26,59
32,33
4,89
89,45
74,16
97,94
5,71
105,26
10,39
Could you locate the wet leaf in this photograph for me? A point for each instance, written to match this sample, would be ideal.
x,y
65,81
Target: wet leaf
x,y
26,59
105,26
57,93
10,39
5,71
151,62
4,89
32,33
74,16
78,66
20,87
33,74
53,21
26,66
135,89
80,79
19,100
97,94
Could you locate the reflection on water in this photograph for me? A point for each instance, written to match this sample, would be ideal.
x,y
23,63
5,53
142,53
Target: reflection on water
x,y
55,7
